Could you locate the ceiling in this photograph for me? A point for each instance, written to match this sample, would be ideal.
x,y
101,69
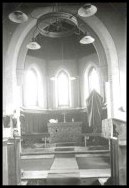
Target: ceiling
x,y
57,48
61,48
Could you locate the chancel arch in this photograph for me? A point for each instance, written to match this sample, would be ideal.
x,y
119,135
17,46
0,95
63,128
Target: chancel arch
x,y
100,30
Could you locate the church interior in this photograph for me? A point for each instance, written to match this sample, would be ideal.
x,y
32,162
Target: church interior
x,y
64,93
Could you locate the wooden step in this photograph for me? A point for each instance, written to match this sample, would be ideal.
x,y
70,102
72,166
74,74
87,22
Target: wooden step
x,y
95,173
24,182
34,175
81,151
61,144
64,149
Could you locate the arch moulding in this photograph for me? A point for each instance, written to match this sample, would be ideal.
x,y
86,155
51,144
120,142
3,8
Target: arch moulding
x,y
17,69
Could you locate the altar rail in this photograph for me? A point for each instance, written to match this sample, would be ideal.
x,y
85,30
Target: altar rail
x,y
88,135
34,137
37,122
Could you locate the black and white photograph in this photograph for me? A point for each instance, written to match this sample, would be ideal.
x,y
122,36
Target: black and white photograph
x,y
64,93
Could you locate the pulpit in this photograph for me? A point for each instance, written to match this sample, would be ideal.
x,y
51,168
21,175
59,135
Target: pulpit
x,y
65,132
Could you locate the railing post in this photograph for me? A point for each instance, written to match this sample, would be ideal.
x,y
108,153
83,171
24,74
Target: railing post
x,y
114,161
45,141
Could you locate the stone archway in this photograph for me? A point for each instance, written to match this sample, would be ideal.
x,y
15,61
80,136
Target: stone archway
x,y
107,53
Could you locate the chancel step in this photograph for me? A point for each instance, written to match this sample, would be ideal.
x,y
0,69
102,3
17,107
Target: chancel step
x,y
64,149
61,144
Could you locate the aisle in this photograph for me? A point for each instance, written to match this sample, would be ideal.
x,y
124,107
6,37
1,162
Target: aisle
x,y
64,164
64,171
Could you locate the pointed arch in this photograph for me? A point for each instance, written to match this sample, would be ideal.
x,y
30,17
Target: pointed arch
x,y
31,88
108,51
93,80
63,89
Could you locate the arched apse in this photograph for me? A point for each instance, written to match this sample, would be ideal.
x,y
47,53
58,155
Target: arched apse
x,y
41,89
103,41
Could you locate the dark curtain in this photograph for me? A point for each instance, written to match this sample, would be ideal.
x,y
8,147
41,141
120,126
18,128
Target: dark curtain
x,y
95,111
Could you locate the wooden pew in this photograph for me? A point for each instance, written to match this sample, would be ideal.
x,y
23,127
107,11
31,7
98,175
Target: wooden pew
x,y
118,162
11,161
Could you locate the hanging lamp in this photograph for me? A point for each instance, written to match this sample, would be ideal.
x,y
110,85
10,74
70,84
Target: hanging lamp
x,y
87,10
33,44
18,17
87,39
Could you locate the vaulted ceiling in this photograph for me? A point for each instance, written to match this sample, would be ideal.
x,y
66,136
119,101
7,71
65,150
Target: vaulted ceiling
x,y
56,48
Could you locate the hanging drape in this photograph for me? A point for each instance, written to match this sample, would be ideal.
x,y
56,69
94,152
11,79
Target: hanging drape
x,y
95,111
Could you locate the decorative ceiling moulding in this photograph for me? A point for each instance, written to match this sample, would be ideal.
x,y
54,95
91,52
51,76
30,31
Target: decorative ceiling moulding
x,y
38,12
57,24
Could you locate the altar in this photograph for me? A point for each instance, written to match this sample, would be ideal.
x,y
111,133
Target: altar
x,y
65,132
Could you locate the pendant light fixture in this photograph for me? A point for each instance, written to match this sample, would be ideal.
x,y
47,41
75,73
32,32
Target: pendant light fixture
x,y
18,17
33,44
87,10
87,39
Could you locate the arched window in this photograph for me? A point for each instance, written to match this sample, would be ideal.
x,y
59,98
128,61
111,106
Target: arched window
x,y
31,91
63,89
93,80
